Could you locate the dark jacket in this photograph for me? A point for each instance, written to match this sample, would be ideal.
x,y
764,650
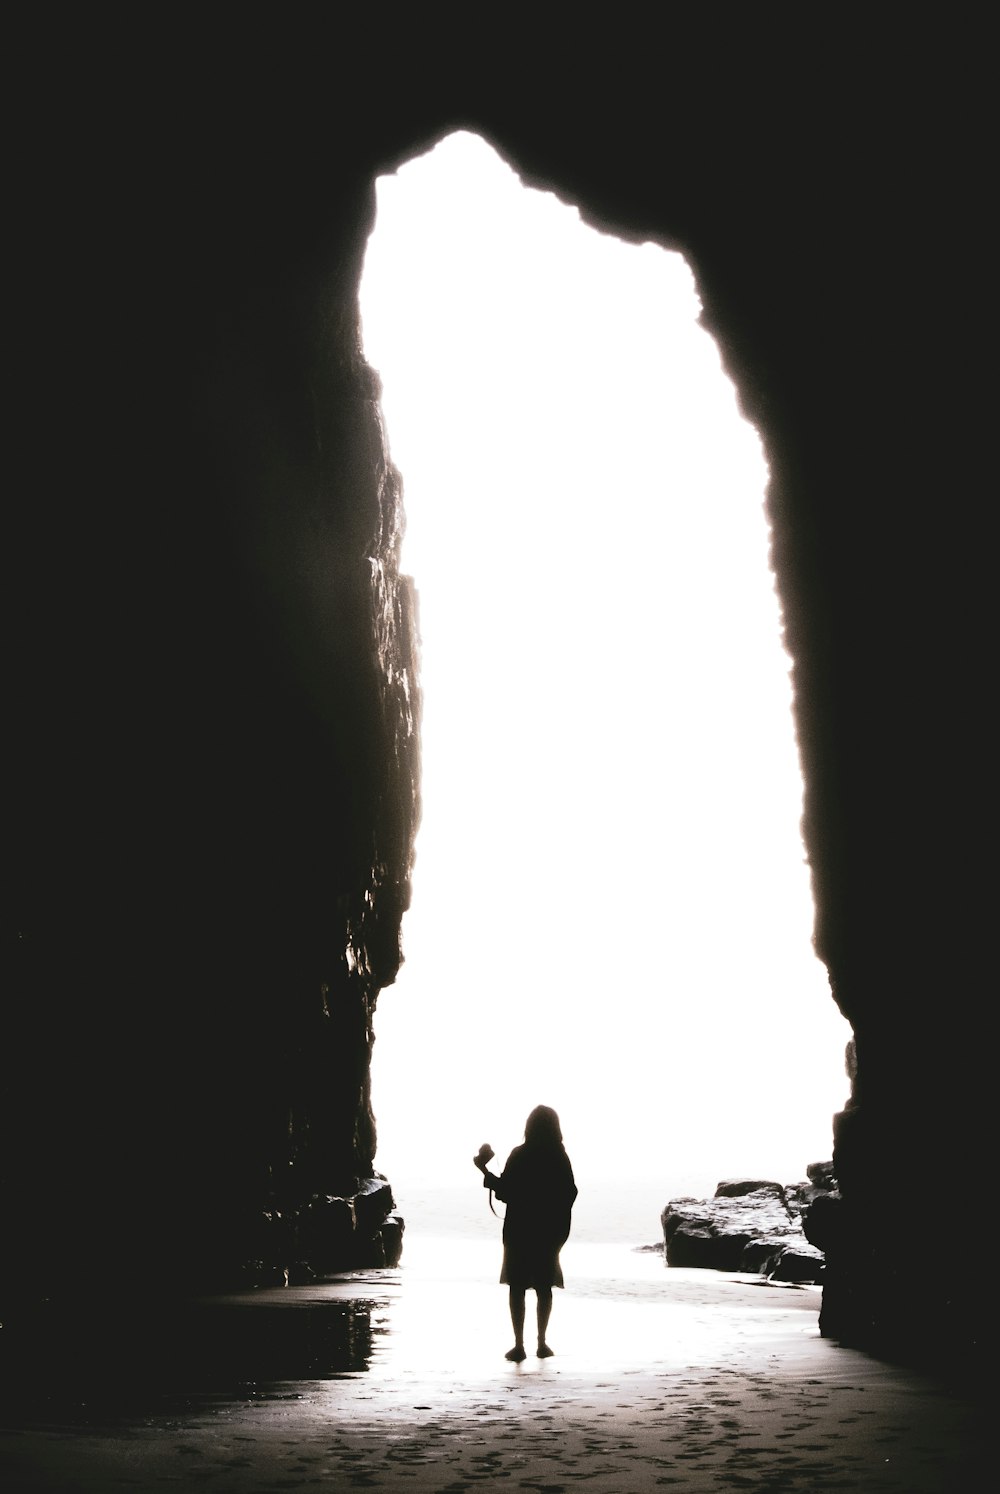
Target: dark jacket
x,y
538,1187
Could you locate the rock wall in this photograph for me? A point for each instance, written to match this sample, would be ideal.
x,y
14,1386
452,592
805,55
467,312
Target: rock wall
x,y
215,687
213,682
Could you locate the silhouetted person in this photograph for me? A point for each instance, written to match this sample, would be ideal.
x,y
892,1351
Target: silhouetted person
x,y
538,1187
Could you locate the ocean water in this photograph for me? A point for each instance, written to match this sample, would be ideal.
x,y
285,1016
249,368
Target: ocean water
x,y
615,1248
622,1305
625,1214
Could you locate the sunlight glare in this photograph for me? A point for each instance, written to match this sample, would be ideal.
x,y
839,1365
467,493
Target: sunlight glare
x,y
611,907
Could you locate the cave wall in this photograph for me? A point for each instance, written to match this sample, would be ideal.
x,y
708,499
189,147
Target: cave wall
x,y
215,689
213,679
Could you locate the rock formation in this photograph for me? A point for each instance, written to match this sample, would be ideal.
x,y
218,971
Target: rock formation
x,y
751,1225
213,691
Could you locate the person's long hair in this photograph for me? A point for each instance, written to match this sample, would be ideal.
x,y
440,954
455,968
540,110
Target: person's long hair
x,y
542,1128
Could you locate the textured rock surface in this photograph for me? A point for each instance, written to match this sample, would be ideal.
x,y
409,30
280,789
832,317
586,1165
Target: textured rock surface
x,y
751,1225
211,796
218,725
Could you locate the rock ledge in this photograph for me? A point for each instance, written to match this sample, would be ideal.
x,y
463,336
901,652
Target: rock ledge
x,y
752,1225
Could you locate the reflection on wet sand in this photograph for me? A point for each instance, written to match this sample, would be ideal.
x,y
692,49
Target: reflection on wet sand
x,y
84,1363
687,1379
81,1363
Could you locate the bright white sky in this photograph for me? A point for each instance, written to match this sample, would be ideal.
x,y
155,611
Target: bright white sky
x,y
611,910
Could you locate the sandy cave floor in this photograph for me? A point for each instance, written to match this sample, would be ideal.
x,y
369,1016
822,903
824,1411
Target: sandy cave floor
x,y
662,1379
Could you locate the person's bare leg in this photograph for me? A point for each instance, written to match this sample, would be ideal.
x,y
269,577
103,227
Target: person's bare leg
x,y
517,1322
544,1310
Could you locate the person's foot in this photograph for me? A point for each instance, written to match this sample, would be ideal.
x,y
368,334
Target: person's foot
x,y
544,1352
517,1353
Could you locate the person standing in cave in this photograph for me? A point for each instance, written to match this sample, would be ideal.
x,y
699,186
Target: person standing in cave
x,y
539,1189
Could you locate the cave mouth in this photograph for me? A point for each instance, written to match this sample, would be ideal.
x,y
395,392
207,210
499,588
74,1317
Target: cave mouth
x,y
611,906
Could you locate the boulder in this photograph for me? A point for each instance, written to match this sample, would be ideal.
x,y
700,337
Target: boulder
x,y
330,1234
752,1225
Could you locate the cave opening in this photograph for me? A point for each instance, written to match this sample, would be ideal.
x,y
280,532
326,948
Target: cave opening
x,y
611,906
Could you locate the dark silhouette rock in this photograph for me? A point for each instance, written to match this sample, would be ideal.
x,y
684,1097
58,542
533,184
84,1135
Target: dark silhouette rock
x,y
751,1225
328,1234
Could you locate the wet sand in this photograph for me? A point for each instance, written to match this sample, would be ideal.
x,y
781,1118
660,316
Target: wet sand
x,y
661,1379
